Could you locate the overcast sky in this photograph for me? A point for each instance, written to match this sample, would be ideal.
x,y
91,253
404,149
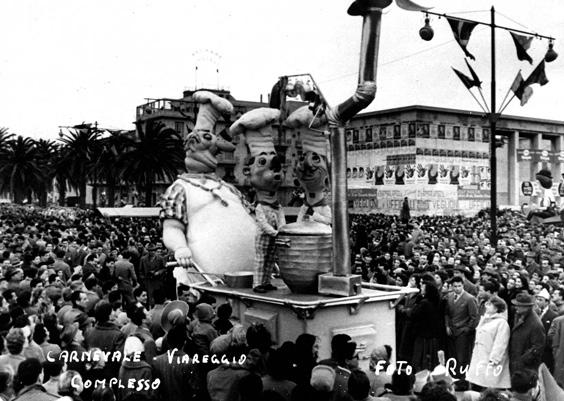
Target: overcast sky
x,y
67,61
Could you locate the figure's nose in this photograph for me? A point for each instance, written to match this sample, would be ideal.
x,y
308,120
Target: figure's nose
x,y
276,164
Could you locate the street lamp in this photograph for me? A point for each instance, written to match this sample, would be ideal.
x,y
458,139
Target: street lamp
x,y
426,33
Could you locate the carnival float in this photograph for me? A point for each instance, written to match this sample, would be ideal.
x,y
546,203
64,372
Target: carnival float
x,y
227,248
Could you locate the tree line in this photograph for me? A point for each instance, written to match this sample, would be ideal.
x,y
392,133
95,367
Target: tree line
x,y
88,155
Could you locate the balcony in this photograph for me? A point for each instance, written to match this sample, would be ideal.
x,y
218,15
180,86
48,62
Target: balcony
x,y
172,108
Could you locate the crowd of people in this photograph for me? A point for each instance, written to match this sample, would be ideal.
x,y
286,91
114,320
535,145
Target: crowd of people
x,y
89,311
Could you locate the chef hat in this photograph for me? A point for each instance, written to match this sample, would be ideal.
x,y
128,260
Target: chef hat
x,y
256,125
211,108
312,141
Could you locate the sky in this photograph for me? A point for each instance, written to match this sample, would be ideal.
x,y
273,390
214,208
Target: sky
x,y
63,62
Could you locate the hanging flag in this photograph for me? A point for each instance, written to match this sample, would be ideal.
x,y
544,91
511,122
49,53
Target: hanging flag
x,y
522,44
477,81
522,88
522,92
411,6
538,76
466,80
462,31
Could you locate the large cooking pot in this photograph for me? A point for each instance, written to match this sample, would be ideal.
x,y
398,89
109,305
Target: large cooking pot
x,y
304,252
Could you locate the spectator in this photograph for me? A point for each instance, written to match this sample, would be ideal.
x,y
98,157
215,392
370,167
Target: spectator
x,y
28,382
527,336
489,367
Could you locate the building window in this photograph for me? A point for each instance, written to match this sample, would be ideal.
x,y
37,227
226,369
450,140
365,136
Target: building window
x,y
471,134
368,134
179,127
456,133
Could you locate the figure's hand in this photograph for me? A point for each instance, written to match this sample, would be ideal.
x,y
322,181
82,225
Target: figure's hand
x,y
183,256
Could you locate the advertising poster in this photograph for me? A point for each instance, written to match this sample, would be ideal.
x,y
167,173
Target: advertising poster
x,y
390,175
410,174
444,177
527,188
454,174
432,173
421,174
400,174
465,175
379,174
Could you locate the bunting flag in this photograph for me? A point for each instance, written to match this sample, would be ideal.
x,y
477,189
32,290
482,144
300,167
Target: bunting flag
x,y
522,88
522,44
538,76
477,81
522,92
466,80
411,6
462,31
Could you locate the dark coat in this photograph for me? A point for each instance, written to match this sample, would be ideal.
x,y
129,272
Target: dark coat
x,y
134,370
176,383
108,338
527,343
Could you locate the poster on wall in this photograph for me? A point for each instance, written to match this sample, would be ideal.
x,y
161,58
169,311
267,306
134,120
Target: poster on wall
x,y
484,176
410,174
465,175
421,174
432,173
369,174
390,175
527,188
454,175
379,174
444,177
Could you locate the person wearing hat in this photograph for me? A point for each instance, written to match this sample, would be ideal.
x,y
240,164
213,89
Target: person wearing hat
x,y
343,360
201,330
546,204
152,273
311,168
527,335
546,315
205,219
264,170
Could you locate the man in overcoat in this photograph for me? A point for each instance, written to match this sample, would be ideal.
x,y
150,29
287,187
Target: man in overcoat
x,y
527,341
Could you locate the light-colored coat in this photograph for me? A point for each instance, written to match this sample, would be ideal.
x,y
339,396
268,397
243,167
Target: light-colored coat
x,y
492,342
556,340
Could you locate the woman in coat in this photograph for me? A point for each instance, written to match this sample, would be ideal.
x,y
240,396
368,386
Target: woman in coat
x,y
489,366
428,326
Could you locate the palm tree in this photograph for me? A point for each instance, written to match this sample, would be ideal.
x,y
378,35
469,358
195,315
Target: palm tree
x,y
157,153
46,156
78,156
108,165
5,137
19,169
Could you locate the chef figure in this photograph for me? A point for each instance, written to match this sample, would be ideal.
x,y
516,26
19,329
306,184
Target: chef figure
x,y
311,168
264,169
205,219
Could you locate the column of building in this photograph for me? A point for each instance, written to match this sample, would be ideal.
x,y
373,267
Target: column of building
x,y
513,167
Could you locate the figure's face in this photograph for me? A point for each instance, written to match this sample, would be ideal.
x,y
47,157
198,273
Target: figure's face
x,y
311,172
201,149
265,171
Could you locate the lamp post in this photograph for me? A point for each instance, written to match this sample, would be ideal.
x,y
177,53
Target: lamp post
x,y
426,33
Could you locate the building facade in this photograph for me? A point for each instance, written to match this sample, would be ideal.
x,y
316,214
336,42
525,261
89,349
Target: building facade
x,y
439,159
